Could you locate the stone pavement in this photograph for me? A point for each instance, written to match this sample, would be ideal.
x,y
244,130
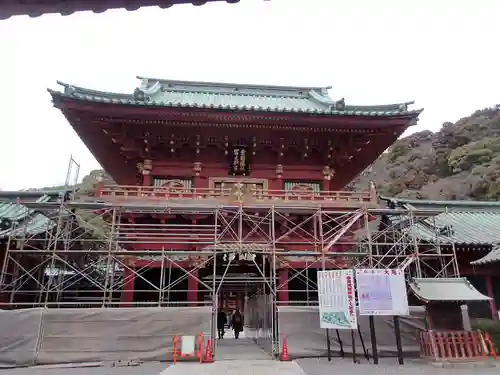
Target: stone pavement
x,y
244,348
244,357
387,366
148,368
236,367
310,366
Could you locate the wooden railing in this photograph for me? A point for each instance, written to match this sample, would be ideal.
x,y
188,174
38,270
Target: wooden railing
x,y
233,194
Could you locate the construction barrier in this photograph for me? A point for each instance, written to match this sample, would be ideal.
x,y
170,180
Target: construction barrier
x,y
454,346
284,350
209,353
188,347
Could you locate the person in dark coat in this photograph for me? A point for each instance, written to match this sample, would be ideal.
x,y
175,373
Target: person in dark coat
x,y
237,323
221,322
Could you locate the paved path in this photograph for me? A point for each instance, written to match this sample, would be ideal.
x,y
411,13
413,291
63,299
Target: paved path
x,y
151,368
236,367
244,357
338,366
387,366
244,348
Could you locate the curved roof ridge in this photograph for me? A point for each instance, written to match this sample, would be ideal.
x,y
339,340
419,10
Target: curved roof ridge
x,y
226,96
388,107
229,85
321,97
73,89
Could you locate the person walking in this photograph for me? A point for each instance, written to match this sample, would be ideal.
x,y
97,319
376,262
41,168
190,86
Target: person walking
x,y
221,322
237,323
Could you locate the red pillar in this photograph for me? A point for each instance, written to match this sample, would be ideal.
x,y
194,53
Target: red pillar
x,y
283,283
327,175
489,291
147,167
192,295
325,186
128,287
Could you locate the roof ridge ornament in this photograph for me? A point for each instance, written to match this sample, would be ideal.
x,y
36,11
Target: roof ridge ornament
x,y
321,97
145,94
339,105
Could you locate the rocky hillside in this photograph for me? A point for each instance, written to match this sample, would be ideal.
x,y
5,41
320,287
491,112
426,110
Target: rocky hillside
x,y
460,161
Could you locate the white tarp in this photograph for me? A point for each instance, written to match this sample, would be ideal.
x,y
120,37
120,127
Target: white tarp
x,y
300,326
49,336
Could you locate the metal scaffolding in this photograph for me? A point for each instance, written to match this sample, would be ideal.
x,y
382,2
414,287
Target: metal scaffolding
x,y
90,251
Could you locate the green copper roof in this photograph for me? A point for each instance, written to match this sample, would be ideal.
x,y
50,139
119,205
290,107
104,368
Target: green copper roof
x,y
26,221
227,96
446,289
461,222
471,228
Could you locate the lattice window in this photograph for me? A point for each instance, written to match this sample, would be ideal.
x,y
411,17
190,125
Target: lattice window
x,y
173,183
300,187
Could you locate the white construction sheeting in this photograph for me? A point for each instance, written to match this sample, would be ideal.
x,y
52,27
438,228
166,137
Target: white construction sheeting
x,y
51,336
300,326
382,292
446,290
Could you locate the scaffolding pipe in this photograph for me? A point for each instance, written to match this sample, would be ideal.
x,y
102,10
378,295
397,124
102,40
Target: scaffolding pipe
x,y
69,249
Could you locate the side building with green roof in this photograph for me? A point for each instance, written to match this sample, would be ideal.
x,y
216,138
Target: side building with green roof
x,y
471,230
32,225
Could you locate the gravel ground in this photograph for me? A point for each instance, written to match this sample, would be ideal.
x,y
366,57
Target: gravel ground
x,y
388,366
149,368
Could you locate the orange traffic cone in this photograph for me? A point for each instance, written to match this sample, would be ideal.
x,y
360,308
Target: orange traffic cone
x,y
284,350
208,353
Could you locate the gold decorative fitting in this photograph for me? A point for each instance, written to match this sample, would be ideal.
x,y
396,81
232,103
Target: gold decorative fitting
x,y
279,171
328,173
197,168
148,164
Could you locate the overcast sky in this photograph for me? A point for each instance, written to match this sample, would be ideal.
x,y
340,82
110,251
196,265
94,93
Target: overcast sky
x,y
441,53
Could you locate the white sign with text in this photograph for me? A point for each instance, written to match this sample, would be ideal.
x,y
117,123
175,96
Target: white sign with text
x,y
382,292
337,303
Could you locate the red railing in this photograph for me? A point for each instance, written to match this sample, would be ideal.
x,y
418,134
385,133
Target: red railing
x,y
232,194
455,346
291,195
